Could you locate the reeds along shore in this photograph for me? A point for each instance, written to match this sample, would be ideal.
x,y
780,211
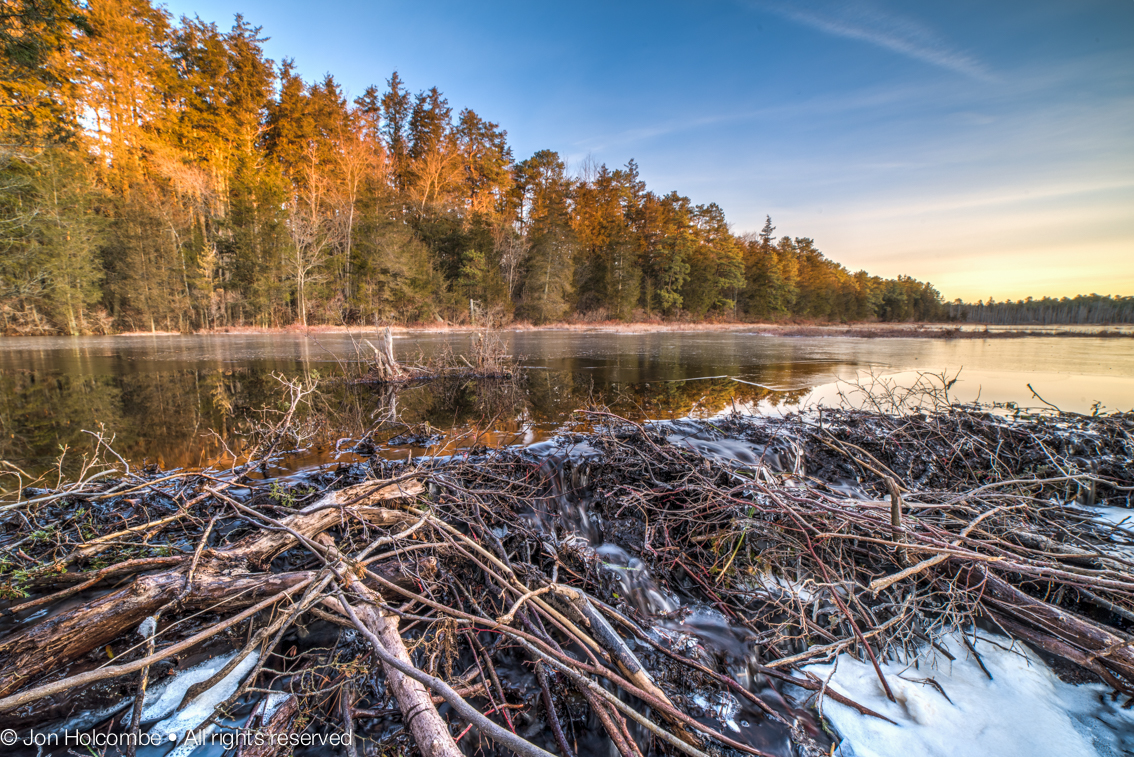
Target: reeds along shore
x,y
486,601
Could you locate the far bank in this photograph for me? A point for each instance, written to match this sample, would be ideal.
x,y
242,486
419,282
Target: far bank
x,y
853,330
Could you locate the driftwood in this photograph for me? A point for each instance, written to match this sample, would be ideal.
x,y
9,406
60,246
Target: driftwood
x,y
222,579
49,645
623,657
444,584
430,732
1058,631
53,643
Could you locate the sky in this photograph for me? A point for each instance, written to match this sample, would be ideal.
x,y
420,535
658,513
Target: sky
x,y
985,147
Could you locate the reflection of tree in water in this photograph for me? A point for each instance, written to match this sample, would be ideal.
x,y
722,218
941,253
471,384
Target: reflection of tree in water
x,y
495,411
40,414
675,399
169,418
164,418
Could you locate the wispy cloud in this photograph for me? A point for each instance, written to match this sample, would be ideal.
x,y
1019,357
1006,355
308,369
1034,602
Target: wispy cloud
x,y
868,23
827,106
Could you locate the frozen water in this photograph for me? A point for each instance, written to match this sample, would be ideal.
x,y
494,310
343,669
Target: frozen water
x,y
1024,711
723,705
163,699
274,702
197,711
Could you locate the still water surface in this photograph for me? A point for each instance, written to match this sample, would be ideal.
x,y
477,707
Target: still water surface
x,y
179,401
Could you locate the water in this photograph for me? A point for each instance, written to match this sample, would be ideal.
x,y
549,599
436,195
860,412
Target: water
x,y
566,518
161,396
188,401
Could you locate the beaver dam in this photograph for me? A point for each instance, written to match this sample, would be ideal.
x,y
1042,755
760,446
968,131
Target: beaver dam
x,y
946,581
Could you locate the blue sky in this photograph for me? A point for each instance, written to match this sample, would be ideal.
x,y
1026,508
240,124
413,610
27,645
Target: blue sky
x,y
986,147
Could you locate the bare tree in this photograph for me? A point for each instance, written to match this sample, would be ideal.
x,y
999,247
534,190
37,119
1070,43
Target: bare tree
x,y
313,230
357,158
436,172
511,249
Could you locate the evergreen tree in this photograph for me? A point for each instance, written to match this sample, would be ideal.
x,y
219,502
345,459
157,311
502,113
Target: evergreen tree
x,y
395,109
716,265
36,69
67,234
208,186
546,288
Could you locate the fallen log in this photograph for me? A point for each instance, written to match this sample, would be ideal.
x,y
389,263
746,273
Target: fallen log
x,y
430,732
61,639
1056,630
101,674
464,709
221,580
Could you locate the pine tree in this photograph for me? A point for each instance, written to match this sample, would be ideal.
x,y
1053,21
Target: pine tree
x,y
68,234
395,107
37,70
546,283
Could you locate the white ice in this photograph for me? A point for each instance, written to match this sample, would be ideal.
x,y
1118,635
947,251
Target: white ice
x,y
1024,711
723,705
768,581
198,711
162,699
271,705
1119,516
162,696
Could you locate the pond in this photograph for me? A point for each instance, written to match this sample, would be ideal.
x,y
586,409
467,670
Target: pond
x,y
190,401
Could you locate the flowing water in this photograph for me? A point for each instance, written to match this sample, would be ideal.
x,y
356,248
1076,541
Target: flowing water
x,y
686,625
188,401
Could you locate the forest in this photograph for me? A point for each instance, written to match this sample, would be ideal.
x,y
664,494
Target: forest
x,y
1084,309
164,175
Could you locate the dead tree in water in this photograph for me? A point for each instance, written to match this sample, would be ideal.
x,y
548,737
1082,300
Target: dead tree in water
x,y
386,366
487,357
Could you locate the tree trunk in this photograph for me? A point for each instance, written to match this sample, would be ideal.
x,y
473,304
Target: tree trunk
x,y
70,634
1057,631
430,731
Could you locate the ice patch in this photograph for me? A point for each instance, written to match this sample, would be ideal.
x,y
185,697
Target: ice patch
x,y
723,706
197,711
163,700
1118,516
1025,711
162,696
272,704
770,582
149,625
85,720
1121,523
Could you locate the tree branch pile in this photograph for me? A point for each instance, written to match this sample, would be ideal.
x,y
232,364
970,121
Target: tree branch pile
x,y
635,587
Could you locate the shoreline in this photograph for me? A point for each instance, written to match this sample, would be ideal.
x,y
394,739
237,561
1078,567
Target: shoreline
x,y
854,330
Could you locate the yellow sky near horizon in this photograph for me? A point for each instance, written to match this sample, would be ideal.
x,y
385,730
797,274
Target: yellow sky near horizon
x,y
1054,242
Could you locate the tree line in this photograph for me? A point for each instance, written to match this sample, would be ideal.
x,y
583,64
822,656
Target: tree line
x,y
162,174
1082,309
